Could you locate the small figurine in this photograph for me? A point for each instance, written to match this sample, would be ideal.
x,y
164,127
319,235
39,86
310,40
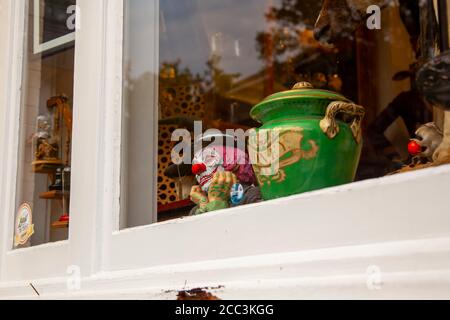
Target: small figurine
x,y
46,148
424,148
225,176
429,138
51,129
62,118
43,127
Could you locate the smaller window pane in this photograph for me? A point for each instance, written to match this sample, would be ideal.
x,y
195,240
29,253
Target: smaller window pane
x,y
44,168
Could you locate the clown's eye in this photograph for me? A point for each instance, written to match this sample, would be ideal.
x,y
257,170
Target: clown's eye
x,y
211,158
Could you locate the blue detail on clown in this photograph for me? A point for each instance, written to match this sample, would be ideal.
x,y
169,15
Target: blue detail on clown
x,y
237,193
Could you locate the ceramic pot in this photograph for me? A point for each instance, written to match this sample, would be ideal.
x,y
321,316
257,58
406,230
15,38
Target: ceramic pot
x,y
310,139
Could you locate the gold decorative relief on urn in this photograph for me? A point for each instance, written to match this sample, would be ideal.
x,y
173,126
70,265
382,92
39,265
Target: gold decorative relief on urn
x,y
272,151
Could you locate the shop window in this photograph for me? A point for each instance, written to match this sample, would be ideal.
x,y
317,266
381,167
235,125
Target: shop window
x,y
212,61
44,166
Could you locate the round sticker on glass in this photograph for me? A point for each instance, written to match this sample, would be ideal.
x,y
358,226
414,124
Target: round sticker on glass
x,y
24,227
237,193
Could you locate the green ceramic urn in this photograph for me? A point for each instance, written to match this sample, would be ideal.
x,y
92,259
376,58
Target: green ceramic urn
x,y
309,139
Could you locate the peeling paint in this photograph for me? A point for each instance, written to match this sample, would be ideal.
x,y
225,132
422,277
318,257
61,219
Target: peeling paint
x,y
198,294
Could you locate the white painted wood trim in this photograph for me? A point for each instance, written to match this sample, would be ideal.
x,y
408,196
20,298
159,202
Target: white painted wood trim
x,y
14,57
417,269
112,134
44,260
403,207
47,260
5,56
85,248
272,249
109,206
94,116
88,156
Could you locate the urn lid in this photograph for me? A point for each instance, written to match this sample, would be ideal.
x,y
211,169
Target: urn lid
x,y
305,90
303,95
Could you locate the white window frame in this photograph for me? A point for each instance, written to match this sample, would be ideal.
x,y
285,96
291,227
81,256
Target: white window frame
x,y
238,244
13,260
254,229
52,259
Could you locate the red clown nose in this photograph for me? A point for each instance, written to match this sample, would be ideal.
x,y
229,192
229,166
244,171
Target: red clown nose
x,y
414,148
198,168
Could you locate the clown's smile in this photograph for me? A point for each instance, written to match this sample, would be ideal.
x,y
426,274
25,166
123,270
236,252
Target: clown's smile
x,y
206,178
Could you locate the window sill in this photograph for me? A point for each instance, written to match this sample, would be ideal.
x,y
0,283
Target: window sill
x,y
47,259
418,269
333,243
400,207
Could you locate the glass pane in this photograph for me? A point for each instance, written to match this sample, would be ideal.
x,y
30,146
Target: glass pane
x,y
44,168
219,59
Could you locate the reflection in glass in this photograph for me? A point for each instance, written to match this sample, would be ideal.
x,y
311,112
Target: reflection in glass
x,y
213,60
43,181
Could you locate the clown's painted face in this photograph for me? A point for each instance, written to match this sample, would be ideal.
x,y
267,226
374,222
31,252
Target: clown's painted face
x,y
205,165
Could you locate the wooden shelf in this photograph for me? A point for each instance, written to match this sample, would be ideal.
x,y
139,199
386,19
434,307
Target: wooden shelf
x,y
53,195
60,224
175,205
174,210
46,166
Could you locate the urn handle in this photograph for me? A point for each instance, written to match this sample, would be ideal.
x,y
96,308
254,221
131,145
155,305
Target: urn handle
x,y
329,124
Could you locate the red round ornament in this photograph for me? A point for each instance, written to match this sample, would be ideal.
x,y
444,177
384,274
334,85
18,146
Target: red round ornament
x,y
414,148
64,218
